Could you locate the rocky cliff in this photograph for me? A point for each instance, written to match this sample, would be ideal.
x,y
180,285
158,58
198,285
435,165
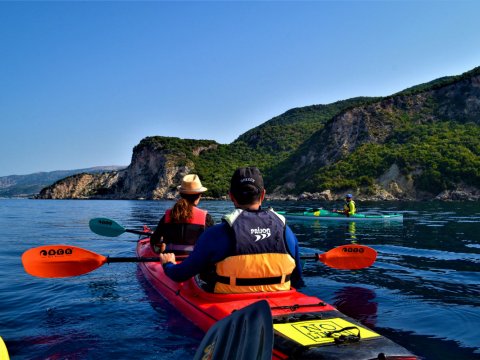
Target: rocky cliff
x,y
80,186
156,169
31,184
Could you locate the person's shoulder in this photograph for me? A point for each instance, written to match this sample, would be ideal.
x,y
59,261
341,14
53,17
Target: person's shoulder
x,y
288,229
216,230
213,235
162,220
280,216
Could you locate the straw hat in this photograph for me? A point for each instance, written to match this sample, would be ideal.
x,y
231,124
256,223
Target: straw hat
x,y
191,185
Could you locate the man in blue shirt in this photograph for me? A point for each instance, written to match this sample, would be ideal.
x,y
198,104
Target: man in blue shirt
x,y
251,250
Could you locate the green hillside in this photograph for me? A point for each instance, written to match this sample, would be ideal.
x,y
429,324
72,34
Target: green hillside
x,y
268,144
438,156
285,133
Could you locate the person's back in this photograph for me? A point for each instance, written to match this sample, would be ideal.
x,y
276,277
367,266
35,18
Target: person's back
x,y
252,250
349,207
261,260
180,227
183,225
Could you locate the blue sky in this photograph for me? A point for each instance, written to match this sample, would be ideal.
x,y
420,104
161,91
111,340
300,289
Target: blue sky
x,y
81,83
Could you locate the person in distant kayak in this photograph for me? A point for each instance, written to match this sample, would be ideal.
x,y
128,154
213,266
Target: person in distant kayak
x,y
349,206
251,250
180,227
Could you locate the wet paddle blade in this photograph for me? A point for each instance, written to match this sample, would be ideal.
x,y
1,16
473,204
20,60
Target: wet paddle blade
x,y
349,257
245,334
105,227
56,261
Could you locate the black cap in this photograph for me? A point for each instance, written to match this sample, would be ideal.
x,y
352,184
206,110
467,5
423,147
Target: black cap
x,y
246,180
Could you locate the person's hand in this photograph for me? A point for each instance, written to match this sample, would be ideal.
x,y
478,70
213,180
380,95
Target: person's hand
x,y
158,247
163,246
167,257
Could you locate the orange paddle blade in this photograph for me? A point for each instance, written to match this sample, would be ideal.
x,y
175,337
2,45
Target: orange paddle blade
x,y
56,261
349,257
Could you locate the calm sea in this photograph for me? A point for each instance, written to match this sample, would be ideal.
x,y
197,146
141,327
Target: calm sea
x,y
423,291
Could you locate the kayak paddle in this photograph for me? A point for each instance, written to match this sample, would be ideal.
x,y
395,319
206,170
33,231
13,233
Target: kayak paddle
x,y
108,227
56,261
346,257
245,334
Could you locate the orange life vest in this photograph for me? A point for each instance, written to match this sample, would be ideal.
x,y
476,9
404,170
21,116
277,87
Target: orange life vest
x,y
261,261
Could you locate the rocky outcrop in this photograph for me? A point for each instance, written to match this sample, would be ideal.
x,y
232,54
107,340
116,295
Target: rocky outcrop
x,y
462,193
31,184
154,173
80,186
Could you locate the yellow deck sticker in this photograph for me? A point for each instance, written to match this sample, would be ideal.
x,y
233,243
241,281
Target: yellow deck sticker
x,y
316,332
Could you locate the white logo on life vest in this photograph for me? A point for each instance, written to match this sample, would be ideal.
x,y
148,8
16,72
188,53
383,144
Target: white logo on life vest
x,y
260,234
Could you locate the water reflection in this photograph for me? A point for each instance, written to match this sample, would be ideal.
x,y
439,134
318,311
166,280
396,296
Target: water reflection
x,y
351,232
68,345
180,330
103,290
358,303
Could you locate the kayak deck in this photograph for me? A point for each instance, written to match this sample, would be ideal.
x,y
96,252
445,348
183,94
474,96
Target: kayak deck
x,y
303,324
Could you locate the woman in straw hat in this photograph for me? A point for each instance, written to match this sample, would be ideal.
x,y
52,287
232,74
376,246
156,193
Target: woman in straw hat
x,y
180,227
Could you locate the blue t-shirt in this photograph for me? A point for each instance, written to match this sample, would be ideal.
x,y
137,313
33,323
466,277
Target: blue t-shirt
x,y
215,244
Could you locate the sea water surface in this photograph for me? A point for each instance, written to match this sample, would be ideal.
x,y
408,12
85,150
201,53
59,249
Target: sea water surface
x,y
423,291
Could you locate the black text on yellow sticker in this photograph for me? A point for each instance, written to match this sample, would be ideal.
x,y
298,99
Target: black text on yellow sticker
x,y
317,332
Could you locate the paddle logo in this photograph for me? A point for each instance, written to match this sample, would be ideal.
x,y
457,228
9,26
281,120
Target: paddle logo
x,y
260,233
105,222
56,252
353,250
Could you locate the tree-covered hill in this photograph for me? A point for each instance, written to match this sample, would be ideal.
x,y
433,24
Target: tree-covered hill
x,y
429,134
285,133
411,145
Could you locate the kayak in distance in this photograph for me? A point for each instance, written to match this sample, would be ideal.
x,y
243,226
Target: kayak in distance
x,y
305,327
321,214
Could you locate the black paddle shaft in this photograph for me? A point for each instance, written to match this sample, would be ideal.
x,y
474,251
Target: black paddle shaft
x,y
157,259
131,259
138,232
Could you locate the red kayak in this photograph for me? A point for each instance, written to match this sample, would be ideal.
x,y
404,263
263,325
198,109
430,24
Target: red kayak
x,y
305,327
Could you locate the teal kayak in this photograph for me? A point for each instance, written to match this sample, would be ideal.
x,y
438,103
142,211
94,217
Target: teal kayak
x,y
321,214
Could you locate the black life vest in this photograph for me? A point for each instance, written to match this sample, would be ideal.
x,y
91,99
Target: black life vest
x,y
180,238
